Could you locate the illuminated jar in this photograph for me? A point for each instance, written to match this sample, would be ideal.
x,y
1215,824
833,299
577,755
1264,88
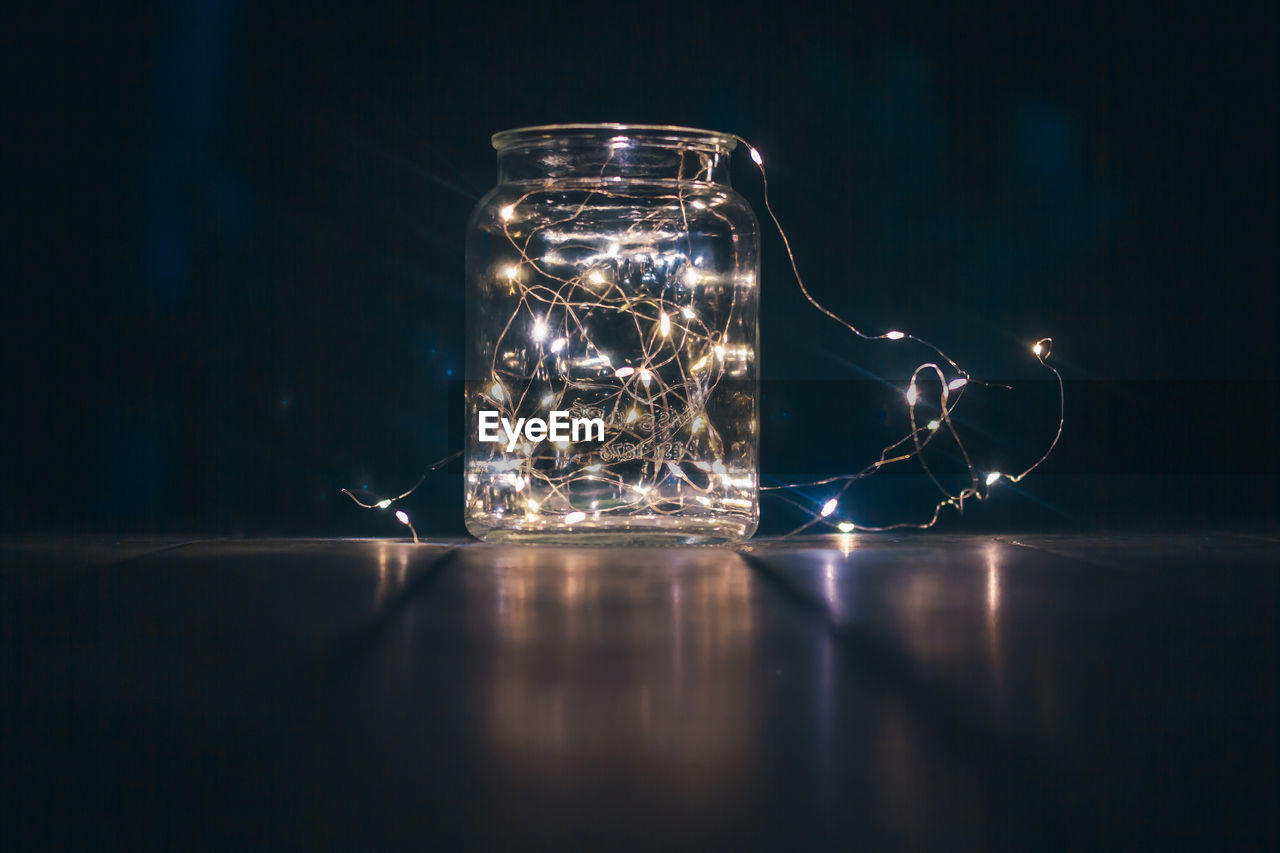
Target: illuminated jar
x,y
612,375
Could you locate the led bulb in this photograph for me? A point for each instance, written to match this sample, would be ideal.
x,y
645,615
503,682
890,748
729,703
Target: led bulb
x,y
829,507
956,384
384,503
992,477
912,395
894,336
402,517
755,155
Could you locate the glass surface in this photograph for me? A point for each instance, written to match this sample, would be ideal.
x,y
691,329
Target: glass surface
x,y
612,275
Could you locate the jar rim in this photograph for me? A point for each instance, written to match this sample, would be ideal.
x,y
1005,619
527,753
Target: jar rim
x,y
505,139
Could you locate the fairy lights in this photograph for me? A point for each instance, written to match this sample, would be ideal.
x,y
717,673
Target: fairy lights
x,y
685,352
910,446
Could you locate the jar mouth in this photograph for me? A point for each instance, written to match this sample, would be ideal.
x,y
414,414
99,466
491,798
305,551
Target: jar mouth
x,y
653,133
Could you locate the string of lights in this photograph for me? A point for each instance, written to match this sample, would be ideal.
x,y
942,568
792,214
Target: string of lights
x,y
918,437
685,352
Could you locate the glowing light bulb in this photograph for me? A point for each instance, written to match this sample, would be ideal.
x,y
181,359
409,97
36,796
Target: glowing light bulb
x,y
755,155
664,324
645,376
699,364
402,516
829,507
992,477
539,330
846,526
596,277
934,425
624,372
691,276
1038,348
558,344
894,335
957,383
496,391
508,212
688,313
574,517
513,272
632,415
912,395
697,425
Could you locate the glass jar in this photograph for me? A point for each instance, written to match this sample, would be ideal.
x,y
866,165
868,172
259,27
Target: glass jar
x,y
612,301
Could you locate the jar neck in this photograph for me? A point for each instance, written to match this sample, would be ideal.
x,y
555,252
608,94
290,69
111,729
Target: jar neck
x,y
612,153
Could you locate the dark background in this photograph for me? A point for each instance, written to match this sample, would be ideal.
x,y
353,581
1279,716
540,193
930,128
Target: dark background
x,y
233,276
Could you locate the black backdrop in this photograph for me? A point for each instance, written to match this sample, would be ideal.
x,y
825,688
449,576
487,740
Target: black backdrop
x,y
233,277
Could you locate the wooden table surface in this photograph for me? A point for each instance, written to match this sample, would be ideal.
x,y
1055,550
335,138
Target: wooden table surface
x,y
923,691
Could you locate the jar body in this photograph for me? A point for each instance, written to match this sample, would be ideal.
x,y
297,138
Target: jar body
x,y
612,305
